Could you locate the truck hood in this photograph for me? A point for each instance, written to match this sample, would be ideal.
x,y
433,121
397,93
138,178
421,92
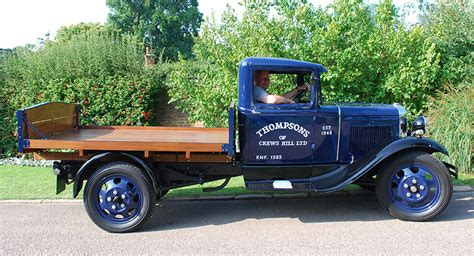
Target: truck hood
x,y
369,109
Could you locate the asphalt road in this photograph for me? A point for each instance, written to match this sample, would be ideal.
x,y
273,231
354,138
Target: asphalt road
x,y
335,224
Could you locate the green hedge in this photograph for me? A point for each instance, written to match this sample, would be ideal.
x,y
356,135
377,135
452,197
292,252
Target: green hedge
x,y
102,72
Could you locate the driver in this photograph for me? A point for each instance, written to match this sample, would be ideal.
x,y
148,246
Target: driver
x,y
262,82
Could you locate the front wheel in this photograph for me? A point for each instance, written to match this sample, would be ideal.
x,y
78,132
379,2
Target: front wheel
x,y
414,187
119,197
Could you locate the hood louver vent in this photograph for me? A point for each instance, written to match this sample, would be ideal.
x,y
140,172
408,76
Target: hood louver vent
x,y
366,138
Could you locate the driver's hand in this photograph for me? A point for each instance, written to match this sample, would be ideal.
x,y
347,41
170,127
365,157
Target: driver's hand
x,y
303,88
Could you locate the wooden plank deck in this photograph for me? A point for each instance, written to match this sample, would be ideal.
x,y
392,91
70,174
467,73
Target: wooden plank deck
x,y
134,138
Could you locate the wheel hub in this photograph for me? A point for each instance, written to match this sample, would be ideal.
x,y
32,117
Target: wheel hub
x,y
119,203
410,188
414,187
119,198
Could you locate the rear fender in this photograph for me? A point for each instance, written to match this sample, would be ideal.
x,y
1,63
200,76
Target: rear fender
x,y
85,170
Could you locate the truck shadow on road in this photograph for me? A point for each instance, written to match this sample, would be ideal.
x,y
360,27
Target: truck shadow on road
x,y
172,215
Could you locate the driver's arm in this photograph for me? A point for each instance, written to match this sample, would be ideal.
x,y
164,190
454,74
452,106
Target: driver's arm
x,y
296,91
276,99
262,96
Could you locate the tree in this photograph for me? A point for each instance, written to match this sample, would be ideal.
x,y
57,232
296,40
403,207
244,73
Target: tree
x,y
66,33
167,26
370,56
450,24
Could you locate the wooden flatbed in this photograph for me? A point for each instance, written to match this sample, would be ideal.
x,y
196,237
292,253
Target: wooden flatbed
x,y
129,138
56,126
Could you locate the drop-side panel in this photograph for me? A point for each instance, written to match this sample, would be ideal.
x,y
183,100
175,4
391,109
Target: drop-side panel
x,y
118,138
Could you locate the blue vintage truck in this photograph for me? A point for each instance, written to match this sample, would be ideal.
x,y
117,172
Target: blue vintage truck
x,y
308,145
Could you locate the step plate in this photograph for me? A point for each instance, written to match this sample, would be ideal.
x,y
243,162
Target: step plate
x,y
282,184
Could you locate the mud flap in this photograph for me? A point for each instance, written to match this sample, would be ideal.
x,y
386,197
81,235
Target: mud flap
x,y
61,181
453,170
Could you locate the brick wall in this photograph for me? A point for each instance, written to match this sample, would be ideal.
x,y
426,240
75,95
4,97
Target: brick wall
x,y
166,113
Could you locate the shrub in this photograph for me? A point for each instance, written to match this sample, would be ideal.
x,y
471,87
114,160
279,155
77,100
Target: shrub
x,y
450,25
451,120
102,72
370,55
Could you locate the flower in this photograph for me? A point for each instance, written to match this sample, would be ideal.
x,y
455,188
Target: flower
x,y
146,115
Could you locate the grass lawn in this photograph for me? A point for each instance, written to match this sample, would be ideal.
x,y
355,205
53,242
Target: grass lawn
x,y
465,179
23,182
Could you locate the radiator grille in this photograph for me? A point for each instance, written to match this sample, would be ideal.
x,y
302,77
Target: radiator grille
x,y
365,138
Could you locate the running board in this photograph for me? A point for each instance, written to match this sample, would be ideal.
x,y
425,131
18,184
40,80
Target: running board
x,y
300,184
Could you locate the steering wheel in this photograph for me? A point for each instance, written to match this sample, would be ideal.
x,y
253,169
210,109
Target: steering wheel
x,y
297,98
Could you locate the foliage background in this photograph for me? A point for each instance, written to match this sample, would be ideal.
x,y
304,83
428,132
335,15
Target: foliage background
x,y
450,25
166,26
371,56
451,123
101,71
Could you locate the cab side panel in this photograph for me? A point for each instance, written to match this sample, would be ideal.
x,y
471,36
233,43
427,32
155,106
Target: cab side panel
x,y
276,138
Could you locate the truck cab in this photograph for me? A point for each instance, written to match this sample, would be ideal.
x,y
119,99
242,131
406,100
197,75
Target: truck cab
x,y
309,137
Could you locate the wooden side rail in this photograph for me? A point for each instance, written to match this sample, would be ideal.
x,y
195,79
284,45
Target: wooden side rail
x,y
44,120
154,157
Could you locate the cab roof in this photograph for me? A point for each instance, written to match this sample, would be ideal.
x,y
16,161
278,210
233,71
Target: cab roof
x,y
269,63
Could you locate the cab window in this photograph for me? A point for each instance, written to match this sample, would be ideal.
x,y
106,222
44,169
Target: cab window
x,y
280,83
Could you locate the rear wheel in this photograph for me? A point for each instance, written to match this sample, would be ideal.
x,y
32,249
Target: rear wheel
x,y
119,197
414,187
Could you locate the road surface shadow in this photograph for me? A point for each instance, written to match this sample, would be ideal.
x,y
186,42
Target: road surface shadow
x,y
187,214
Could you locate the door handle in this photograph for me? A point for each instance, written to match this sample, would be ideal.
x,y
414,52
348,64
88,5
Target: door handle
x,y
254,112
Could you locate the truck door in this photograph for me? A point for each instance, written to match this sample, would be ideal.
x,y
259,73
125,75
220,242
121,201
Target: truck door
x,y
279,135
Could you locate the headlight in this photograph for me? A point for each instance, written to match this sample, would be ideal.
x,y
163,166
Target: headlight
x,y
403,126
419,126
403,123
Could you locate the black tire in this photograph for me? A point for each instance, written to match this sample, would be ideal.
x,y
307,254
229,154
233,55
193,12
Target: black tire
x,y
403,170
132,184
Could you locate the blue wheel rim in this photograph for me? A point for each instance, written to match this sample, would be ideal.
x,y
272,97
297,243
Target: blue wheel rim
x,y
118,199
414,188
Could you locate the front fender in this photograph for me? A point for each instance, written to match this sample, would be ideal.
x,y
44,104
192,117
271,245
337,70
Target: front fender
x,y
365,164
83,171
422,144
